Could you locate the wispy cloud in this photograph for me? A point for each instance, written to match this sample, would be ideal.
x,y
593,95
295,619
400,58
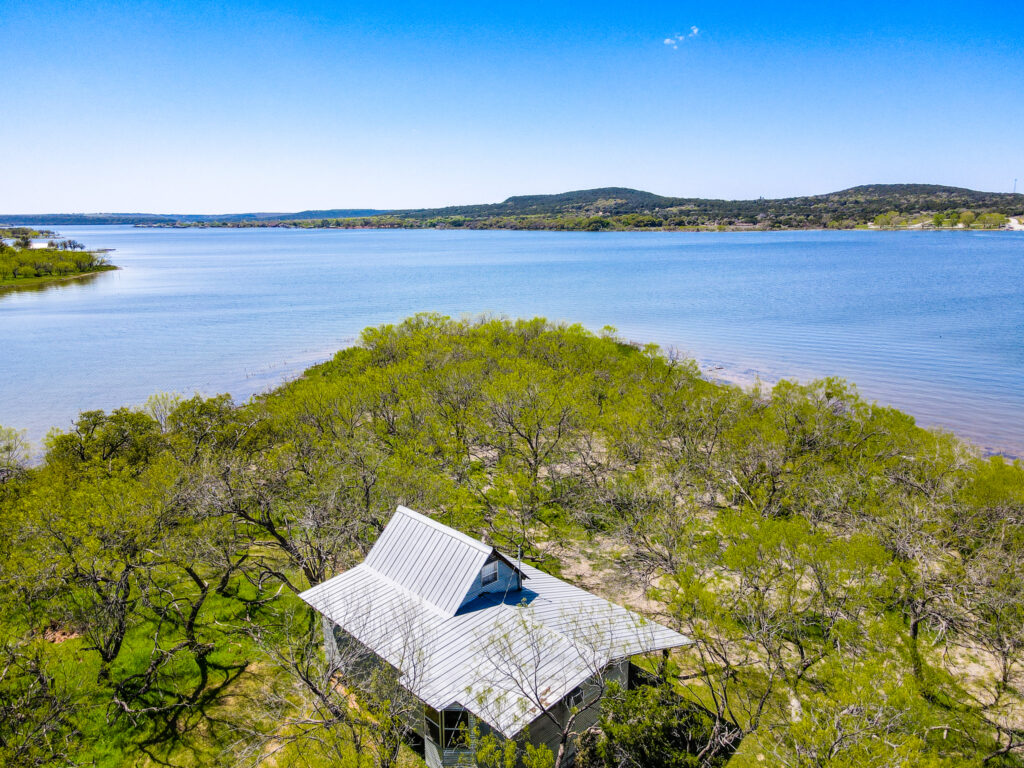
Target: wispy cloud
x,y
675,40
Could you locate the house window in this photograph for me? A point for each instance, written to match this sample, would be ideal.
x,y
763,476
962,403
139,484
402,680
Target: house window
x,y
433,719
452,724
582,696
575,698
456,728
489,573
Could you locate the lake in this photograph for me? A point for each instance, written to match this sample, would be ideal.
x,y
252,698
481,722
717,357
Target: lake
x,y
931,322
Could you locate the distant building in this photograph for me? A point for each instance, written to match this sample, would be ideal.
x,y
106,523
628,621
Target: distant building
x,y
483,642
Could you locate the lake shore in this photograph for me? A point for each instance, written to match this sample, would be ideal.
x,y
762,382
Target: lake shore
x,y
927,323
34,283
471,228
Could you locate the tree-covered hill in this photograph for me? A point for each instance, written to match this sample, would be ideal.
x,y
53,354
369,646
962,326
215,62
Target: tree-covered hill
x,y
620,208
858,205
604,200
629,209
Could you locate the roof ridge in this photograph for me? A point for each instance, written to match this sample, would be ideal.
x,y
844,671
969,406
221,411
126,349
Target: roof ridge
x,y
446,529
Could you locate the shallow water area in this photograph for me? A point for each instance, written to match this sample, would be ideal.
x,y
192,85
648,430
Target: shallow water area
x,y
931,322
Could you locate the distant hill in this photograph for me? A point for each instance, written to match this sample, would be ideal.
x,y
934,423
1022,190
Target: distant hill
x,y
606,199
22,219
622,208
613,201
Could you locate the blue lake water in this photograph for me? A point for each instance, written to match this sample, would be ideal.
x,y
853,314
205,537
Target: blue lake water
x,y
932,322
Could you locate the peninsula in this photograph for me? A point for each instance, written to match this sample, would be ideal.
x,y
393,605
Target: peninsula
x,y
25,262
810,552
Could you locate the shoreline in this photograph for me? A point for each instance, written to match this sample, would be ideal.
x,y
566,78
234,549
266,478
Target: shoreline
x,y
715,372
27,283
263,381
712,370
709,229
991,427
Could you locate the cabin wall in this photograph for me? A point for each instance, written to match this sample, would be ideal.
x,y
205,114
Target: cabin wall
x,y
507,582
544,731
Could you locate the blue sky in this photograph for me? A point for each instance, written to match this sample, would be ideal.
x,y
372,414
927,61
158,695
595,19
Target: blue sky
x,y
219,107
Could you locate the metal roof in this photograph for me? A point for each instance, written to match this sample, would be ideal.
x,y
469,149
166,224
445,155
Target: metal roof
x,y
431,560
500,655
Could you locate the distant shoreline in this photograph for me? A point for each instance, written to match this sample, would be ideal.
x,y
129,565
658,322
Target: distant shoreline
x,y
718,229
900,206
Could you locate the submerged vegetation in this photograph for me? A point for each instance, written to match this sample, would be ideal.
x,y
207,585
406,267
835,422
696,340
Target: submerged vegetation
x,y
23,264
854,584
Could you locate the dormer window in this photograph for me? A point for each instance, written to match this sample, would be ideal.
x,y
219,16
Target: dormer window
x,y
489,574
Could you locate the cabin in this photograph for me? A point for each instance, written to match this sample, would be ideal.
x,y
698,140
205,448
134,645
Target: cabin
x,y
486,644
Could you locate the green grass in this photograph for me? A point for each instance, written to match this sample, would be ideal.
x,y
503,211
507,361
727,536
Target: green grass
x,y
201,734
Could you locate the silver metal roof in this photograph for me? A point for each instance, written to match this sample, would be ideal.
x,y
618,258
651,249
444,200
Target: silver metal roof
x,y
431,560
503,656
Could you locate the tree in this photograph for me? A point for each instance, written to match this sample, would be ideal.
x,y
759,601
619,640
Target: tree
x,y
13,454
333,698
651,727
36,710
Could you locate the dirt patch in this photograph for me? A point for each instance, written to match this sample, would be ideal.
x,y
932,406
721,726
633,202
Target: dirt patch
x,y
592,567
59,634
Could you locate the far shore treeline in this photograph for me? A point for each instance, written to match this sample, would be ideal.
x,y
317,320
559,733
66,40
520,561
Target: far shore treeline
x,y
23,264
853,584
885,206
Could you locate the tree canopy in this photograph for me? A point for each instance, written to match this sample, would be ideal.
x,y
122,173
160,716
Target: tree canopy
x,y
21,263
853,583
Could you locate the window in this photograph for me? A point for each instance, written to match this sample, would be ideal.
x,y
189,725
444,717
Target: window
x,y
452,723
489,575
456,728
575,698
433,724
582,696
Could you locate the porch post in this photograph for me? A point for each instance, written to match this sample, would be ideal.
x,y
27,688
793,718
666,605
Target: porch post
x,y
330,643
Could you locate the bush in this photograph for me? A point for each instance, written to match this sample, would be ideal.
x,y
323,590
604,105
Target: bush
x,y
651,727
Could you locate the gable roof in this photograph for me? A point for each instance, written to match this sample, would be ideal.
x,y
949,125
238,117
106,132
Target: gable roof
x,y
499,655
432,561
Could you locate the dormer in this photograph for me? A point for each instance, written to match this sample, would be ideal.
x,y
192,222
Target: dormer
x,y
441,566
498,574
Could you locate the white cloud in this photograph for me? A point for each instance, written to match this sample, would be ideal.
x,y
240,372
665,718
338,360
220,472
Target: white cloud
x,y
682,38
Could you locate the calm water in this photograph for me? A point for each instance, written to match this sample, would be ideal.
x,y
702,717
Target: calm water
x,y
932,322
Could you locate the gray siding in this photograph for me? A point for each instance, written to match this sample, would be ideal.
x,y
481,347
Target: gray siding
x,y
544,731
432,754
507,581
